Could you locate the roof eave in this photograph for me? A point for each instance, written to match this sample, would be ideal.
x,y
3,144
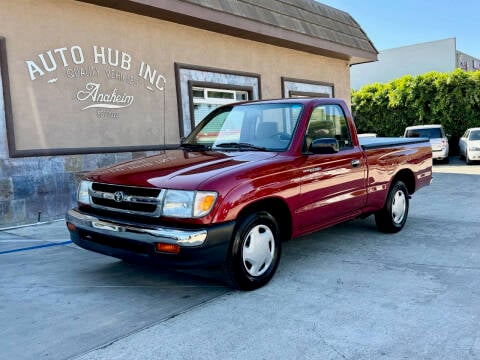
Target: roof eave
x,y
213,20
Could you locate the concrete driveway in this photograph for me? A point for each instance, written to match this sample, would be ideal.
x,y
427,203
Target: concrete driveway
x,y
347,292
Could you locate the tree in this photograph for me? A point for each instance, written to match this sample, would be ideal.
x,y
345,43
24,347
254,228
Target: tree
x,y
451,99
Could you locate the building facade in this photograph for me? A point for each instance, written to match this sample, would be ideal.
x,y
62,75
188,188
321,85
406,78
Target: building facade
x,y
441,55
87,84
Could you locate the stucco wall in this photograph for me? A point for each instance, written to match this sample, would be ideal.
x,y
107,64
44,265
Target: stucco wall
x,y
45,110
47,113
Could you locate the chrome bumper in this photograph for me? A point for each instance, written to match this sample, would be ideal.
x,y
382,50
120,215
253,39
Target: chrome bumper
x,y
187,238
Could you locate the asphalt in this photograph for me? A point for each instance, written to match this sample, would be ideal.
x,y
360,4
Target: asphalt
x,y
348,292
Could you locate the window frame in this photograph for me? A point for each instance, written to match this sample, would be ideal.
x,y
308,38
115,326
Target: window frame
x,y
214,86
7,103
213,77
306,88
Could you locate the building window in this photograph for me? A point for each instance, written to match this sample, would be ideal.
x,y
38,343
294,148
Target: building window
x,y
201,89
206,99
306,88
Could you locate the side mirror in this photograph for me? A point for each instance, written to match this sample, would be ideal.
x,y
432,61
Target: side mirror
x,y
324,146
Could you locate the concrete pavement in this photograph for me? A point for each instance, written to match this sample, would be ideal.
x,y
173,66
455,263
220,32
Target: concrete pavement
x,y
348,292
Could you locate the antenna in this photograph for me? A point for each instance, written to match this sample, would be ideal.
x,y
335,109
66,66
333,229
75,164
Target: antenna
x,y
164,118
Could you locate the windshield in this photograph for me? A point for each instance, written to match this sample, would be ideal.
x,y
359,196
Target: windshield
x,y
431,133
266,127
475,135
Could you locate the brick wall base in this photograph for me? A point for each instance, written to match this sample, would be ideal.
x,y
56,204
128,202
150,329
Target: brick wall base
x,y
43,188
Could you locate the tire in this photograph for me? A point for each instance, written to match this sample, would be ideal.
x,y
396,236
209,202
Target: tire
x,y
255,251
467,160
393,216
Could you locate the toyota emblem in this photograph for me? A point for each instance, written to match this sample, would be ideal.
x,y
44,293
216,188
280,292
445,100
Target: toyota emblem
x,y
118,196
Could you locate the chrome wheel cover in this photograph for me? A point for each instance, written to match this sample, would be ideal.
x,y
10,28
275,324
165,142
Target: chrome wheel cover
x,y
258,250
399,207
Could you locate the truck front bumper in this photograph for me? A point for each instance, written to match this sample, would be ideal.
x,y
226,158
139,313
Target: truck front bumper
x,y
135,242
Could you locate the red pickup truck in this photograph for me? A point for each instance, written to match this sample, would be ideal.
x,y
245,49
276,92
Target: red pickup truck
x,y
248,177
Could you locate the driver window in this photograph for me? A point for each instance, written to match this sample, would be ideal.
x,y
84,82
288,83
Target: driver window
x,y
328,121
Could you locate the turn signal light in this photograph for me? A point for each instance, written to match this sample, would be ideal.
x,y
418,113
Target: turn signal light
x,y
71,227
167,248
207,202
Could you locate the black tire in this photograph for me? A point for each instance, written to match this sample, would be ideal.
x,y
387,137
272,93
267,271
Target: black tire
x,y
393,216
467,160
243,270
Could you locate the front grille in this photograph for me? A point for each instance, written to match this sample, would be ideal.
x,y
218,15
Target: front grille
x,y
127,199
127,206
131,190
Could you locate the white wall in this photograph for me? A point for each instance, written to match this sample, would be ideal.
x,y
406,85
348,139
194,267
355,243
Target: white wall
x,y
413,59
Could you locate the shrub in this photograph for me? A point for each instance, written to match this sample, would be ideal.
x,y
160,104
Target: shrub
x,y
451,99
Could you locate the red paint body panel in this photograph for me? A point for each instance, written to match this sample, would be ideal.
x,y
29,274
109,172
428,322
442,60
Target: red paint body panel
x,y
319,190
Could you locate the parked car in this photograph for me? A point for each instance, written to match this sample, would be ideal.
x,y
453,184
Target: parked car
x,y
469,145
438,139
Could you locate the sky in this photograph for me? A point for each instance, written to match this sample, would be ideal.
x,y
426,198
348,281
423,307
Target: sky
x,y
395,23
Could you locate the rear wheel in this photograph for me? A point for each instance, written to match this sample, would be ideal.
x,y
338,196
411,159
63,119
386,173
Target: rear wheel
x,y
393,216
255,251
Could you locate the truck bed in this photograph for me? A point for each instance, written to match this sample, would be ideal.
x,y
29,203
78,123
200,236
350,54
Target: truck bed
x,y
368,143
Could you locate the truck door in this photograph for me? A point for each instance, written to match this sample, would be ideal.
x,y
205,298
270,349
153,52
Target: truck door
x,y
333,185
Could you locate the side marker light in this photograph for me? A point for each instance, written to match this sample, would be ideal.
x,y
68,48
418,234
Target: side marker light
x,y
167,248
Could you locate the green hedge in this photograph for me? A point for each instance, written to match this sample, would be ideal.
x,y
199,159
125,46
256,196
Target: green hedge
x,y
451,99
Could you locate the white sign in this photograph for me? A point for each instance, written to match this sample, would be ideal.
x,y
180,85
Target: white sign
x,y
94,64
98,99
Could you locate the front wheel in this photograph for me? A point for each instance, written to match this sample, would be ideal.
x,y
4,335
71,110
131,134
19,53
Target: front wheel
x,y
467,160
255,251
393,216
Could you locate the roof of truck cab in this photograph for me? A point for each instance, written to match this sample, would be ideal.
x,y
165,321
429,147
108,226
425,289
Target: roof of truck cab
x,y
303,100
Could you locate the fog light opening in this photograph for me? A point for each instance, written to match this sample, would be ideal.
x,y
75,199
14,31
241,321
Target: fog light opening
x,y
167,248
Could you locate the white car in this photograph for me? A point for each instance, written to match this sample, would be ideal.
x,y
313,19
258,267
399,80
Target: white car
x,y
436,134
469,145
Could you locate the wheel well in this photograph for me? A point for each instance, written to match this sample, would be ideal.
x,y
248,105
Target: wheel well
x,y
278,209
407,177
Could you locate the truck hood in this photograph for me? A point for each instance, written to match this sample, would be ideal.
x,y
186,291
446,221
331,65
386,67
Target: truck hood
x,y
177,169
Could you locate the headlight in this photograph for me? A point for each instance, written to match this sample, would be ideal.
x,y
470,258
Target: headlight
x,y
187,204
82,195
474,148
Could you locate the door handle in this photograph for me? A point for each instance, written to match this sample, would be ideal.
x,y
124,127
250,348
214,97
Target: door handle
x,y
355,163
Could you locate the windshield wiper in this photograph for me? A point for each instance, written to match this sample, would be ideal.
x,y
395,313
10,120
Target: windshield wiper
x,y
240,146
195,146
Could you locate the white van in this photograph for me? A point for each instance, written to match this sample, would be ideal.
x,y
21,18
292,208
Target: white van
x,y
437,137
